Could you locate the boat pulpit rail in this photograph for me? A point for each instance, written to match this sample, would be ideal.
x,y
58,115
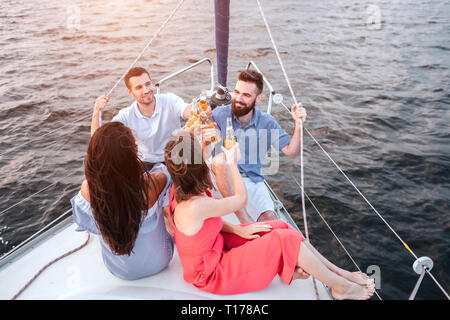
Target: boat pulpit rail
x,y
271,91
158,84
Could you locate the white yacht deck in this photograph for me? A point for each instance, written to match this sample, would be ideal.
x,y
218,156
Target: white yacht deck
x,y
82,275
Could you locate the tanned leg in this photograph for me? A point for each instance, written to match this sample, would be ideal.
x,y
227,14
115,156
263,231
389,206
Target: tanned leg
x,y
357,277
341,287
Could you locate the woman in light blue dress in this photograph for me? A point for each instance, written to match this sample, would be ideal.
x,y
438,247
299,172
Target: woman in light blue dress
x,y
123,203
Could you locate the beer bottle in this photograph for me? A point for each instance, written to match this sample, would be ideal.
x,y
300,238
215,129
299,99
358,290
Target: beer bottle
x,y
230,140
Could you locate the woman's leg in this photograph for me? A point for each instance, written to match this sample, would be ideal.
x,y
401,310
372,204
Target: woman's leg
x,y
357,277
341,287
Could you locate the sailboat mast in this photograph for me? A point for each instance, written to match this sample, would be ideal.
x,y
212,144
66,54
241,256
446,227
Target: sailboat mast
x,y
222,15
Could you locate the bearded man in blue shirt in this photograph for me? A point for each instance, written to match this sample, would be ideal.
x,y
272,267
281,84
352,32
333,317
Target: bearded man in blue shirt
x,y
255,131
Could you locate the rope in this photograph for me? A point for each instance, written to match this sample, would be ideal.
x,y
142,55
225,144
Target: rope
x,y
301,122
360,193
356,188
334,234
49,264
301,146
141,54
145,48
301,131
373,208
110,91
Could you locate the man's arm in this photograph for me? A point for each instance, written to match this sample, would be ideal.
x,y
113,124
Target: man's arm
x,y
187,111
292,150
100,105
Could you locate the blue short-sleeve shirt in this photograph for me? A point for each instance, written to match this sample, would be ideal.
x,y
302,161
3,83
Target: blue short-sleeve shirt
x,y
254,139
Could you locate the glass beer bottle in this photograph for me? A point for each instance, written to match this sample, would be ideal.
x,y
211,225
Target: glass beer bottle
x,y
230,140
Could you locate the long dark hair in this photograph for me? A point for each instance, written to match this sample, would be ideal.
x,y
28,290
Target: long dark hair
x,y
118,188
185,163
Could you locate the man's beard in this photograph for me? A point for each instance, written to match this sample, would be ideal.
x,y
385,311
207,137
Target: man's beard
x,y
242,111
145,99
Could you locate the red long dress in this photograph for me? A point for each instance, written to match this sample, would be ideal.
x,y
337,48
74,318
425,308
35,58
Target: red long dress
x,y
224,263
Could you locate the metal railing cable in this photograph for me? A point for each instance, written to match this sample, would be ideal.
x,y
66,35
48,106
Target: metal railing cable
x,y
361,194
35,234
109,93
301,144
148,45
333,233
295,102
32,195
379,215
142,52
111,90
372,207
301,129
438,284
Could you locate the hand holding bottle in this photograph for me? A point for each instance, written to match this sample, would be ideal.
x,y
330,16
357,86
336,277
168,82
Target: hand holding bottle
x,y
210,133
232,155
230,140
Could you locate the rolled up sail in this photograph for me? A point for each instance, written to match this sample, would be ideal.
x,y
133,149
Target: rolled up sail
x,y
222,14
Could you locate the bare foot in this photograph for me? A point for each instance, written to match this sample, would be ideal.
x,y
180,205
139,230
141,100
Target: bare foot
x,y
353,291
357,277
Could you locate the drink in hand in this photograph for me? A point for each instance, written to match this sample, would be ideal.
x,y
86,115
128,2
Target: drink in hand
x,y
230,140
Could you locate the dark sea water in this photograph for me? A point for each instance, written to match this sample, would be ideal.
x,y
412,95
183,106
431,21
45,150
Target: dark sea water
x,y
377,97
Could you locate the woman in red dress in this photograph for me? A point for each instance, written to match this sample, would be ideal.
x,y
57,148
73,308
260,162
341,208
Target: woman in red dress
x,y
223,258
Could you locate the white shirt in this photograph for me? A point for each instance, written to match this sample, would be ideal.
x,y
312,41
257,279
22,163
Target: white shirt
x,y
153,133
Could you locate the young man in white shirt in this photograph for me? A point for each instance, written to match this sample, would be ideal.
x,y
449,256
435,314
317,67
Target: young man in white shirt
x,y
151,117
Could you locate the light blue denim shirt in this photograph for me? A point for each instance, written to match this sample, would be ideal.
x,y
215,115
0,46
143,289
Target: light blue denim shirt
x,y
254,139
153,248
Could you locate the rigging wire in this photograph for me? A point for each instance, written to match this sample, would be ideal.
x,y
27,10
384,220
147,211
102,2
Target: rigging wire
x,y
334,234
356,188
32,195
111,90
301,122
109,93
142,52
301,129
35,234
371,206
301,185
148,45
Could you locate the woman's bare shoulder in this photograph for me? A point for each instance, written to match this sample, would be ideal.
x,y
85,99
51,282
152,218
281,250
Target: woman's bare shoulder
x,y
85,191
159,180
